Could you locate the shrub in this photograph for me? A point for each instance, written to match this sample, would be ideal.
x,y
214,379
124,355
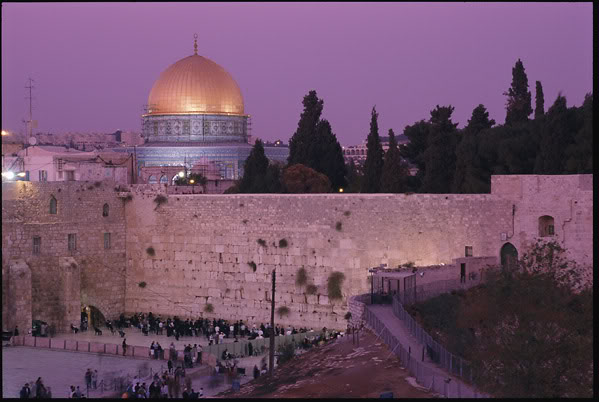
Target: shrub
x,y
252,264
261,242
338,226
283,311
159,200
245,221
209,308
347,316
347,213
283,243
286,352
334,285
311,289
150,251
302,277
141,284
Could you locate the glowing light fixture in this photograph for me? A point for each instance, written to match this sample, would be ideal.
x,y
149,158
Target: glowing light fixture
x,y
8,175
181,174
341,190
192,181
4,132
21,174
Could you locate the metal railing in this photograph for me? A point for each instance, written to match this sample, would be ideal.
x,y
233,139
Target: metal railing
x,y
426,376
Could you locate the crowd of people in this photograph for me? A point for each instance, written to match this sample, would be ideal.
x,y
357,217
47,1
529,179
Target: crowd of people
x,y
171,384
39,390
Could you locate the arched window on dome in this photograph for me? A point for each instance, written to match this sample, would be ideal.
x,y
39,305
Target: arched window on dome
x,y
105,209
152,179
53,205
163,179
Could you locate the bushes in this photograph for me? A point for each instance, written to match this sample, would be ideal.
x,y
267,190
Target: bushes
x,y
261,242
283,311
311,289
286,352
283,243
141,284
159,200
334,285
338,226
252,264
209,308
302,277
150,251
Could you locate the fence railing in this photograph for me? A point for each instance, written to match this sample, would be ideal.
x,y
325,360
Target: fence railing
x,y
425,376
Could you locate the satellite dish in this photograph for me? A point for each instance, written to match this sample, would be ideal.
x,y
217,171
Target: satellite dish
x,y
32,141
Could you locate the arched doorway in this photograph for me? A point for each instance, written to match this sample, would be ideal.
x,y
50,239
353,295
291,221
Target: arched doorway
x,y
509,256
93,317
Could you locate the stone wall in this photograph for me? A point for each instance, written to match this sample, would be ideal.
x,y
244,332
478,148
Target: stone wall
x,y
61,280
205,246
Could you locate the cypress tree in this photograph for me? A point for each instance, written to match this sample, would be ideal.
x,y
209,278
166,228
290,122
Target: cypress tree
x,y
373,166
558,131
519,97
470,175
254,171
539,101
440,154
302,141
314,144
414,150
394,169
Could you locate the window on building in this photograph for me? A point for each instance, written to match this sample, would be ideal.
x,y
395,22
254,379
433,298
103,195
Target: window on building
x,y
546,226
106,241
70,175
37,245
105,210
43,175
152,179
60,165
72,242
53,205
468,251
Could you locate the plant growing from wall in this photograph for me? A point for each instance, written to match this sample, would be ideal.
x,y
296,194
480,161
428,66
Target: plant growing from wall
x,y
150,251
302,277
209,308
261,242
347,316
283,311
334,283
338,226
283,243
159,200
347,213
141,284
252,265
311,289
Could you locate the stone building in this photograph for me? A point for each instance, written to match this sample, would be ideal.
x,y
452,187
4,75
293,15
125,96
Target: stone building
x,y
71,244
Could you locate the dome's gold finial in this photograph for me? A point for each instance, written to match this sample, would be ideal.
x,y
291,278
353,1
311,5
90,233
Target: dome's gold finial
x,y
195,44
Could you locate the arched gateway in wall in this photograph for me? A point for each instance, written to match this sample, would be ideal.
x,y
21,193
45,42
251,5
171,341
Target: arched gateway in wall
x,y
509,256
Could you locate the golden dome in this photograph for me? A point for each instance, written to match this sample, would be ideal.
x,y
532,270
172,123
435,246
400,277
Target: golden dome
x,y
195,85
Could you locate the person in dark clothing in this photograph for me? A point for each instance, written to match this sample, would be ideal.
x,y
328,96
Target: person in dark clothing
x,y
170,366
16,333
25,392
124,346
256,372
250,349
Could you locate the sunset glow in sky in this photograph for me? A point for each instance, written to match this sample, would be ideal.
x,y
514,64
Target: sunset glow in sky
x,y
95,63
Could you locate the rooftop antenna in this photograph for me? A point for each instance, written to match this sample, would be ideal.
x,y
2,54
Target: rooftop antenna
x,y
30,121
195,44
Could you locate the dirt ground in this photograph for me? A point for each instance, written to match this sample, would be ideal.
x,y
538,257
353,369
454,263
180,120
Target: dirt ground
x,y
337,370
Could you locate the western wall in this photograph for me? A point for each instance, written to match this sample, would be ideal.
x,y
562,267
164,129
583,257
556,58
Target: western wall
x,y
177,256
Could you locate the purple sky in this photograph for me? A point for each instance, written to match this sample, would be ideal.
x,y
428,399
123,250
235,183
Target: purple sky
x,y
94,64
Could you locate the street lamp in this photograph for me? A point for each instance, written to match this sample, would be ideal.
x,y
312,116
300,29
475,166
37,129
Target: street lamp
x,y
8,175
181,174
4,132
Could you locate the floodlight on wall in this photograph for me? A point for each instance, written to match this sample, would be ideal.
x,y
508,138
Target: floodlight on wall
x,y
181,174
8,175
21,174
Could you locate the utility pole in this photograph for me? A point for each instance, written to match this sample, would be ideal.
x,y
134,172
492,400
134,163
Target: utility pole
x,y
271,357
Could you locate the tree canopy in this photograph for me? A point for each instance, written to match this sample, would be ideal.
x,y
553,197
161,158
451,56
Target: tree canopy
x,y
373,166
